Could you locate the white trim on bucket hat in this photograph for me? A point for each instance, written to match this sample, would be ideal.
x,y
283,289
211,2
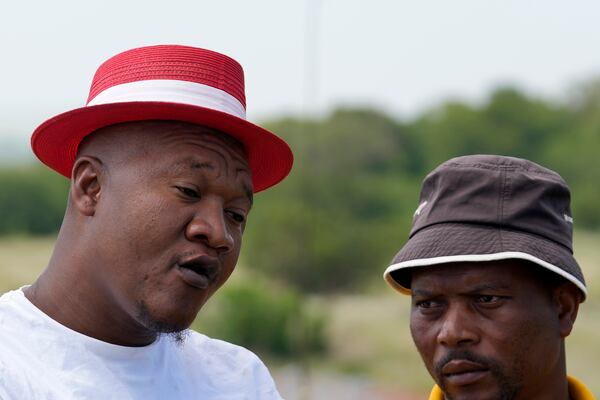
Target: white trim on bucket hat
x,y
507,255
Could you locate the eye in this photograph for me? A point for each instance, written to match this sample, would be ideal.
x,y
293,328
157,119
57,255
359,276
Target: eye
x,y
488,299
428,308
236,216
188,192
427,304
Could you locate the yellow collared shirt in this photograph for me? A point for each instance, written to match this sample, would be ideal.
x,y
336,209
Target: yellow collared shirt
x,y
577,391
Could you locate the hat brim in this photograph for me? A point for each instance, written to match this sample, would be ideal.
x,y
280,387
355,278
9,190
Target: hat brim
x,y
55,142
458,242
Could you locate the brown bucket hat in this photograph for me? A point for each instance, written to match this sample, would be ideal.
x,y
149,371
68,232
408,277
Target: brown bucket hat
x,y
486,208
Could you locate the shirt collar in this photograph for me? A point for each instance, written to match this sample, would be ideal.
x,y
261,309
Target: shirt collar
x,y
577,391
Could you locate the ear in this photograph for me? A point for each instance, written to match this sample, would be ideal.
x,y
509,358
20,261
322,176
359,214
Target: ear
x,y
86,179
567,298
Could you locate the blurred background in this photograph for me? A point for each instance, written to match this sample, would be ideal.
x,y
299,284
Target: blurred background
x,y
371,97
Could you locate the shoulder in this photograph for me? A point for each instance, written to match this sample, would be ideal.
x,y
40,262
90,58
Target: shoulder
x,y
220,352
14,303
17,341
19,319
14,316
15,333
9,298
228,362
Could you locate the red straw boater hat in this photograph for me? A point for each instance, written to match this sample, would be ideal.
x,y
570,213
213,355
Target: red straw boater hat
x,y
166,82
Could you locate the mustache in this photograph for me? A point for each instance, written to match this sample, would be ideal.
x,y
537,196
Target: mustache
x,y
509,385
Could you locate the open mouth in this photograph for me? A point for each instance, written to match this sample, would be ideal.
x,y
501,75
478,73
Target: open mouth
x,y
199,272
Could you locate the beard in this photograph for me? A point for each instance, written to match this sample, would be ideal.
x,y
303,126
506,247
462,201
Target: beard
x,y
509,385
176,332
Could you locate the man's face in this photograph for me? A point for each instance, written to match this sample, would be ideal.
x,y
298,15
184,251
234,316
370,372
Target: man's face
x,y
169,223
485,330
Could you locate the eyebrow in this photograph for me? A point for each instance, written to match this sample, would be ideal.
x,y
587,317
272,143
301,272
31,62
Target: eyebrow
x,y
489,286
476,289
422,293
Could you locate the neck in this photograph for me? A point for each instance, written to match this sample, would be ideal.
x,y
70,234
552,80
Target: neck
x,y
68,293
553,385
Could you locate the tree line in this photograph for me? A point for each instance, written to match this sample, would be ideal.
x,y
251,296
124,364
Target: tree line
x,y
347,205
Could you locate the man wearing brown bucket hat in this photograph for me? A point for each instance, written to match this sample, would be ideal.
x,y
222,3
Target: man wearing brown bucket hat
x,y
163,167
494,285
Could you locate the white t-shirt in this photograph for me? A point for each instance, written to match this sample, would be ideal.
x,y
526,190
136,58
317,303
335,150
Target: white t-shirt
x,y
42,359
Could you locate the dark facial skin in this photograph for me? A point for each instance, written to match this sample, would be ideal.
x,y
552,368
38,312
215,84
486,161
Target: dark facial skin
x,y
149,203
492,330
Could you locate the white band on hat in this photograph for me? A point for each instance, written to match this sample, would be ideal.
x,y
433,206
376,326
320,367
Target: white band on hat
x,y
172,91
424,262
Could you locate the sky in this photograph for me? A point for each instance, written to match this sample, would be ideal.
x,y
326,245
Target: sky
x,y
301,57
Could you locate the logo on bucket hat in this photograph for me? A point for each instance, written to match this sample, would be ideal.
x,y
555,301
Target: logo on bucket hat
x,y
486,208
166,82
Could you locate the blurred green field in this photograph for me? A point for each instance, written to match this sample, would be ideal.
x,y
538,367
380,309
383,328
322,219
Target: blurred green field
x,y
367,334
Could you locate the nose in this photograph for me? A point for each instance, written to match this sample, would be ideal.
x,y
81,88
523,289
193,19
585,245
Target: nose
x,y
458,328
210,227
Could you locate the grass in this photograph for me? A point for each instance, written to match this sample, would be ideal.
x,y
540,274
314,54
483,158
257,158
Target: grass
x,y
22,259
368,334
583,346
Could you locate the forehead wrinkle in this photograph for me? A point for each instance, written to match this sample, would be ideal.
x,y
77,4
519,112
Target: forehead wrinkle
x,y
222,159
206,135
220,144
191,163
208,142
217,149
188,133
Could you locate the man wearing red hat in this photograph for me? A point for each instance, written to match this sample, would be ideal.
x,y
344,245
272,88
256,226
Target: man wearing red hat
x,y
495,287
163,167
